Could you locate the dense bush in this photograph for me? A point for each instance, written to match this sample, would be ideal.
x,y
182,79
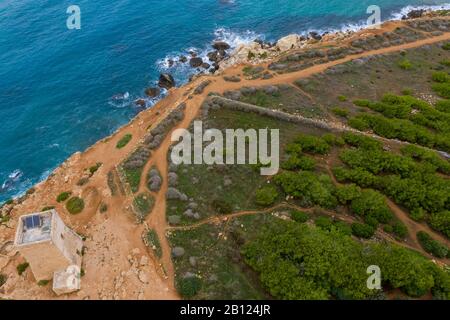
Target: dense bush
x,y
308,187
400,230
299,216
75,205
442,89
443,106
296,262
371,203
295,162
361,141
313,144
266,196
440,221
347,193
361,230
432,246
440,76
340,112
324,223
189,287
63,196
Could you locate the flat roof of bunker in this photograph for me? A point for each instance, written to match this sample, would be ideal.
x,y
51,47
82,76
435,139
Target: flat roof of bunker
x,y
35,227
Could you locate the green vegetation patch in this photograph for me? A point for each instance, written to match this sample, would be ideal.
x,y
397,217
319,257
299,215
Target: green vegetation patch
x,y
63,196
432,246
143,205
21,268
75,205
152,241
124,141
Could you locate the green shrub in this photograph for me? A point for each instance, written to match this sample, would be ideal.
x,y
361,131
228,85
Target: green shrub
x,y
94,168
446,46
63,196
405,64
48,208
362,230
189,287
313,144
443,106
442,89
358,124
124,141
347,193
22,267
75,205
371,203
266,196
432,246
43,283
440,221
417,214
324,223
299,216
342,98
340,112
440,76
400,230
388,228
103,207
295,162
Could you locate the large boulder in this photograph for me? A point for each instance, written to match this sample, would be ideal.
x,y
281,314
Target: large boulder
x,y
152,92
221,45
196,62
178,252
289,42
166,81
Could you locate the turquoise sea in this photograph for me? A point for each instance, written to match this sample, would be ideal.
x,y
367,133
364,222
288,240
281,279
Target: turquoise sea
x,y
61,90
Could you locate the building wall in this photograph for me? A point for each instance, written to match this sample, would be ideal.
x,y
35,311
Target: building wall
x,y
44,259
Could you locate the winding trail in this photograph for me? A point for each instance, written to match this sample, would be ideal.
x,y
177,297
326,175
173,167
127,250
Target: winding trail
x,y
157,219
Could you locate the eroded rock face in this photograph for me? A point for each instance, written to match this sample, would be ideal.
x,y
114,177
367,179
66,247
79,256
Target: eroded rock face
x,y
166,81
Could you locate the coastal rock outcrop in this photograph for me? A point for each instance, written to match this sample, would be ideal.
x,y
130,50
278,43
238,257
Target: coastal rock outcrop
x,y
289,42
221,45
166,81
196,62
152,92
